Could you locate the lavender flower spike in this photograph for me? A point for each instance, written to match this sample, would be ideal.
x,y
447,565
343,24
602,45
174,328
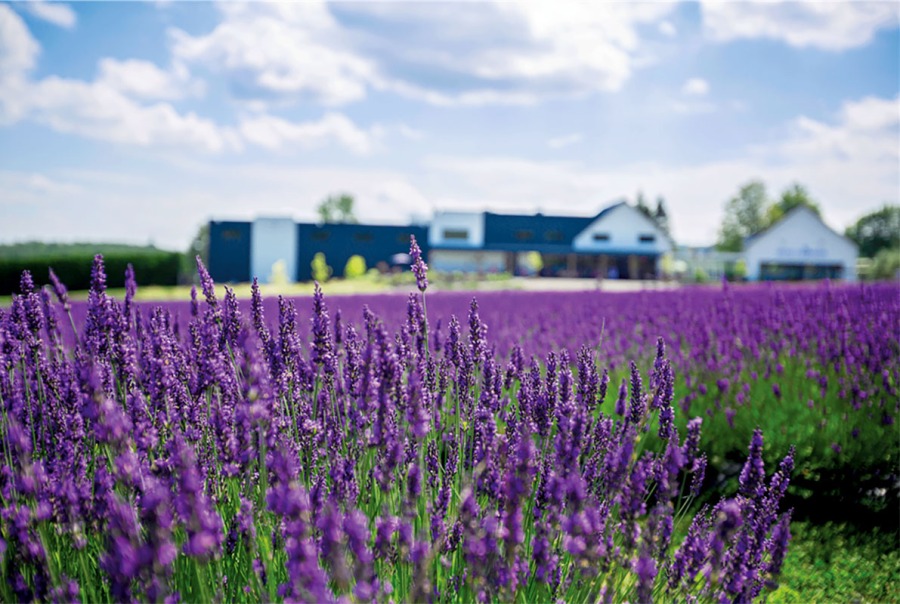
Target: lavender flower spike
x,y
419,268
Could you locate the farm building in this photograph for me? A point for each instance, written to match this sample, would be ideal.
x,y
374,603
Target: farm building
x,y
619,242
797,247
239,251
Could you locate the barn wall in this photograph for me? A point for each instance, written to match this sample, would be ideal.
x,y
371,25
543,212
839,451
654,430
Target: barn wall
x,y
229,251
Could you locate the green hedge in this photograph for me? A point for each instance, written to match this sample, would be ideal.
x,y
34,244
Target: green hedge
x,y
74,270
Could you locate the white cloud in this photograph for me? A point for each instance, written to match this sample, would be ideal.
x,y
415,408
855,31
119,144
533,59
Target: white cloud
x,y
566,140
97,111
666,28
100,110
145,80
273,132
695,87
289,50
301,52
56,13
18,50
826,25
410,133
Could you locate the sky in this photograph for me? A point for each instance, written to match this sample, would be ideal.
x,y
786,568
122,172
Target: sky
x,y
139,122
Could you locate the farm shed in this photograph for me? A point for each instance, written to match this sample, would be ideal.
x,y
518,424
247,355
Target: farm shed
x,y
239,251
799,246
382,246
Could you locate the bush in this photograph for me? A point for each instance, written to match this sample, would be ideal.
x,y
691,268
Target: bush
x,y
321,272
155,267
355,267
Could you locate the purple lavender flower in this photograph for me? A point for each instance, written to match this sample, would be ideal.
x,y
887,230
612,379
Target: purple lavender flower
x,y
419,268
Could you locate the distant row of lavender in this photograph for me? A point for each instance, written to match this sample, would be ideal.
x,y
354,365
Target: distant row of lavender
x,y
229,453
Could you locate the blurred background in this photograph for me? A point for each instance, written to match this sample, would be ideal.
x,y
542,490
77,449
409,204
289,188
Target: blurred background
x,y
132,128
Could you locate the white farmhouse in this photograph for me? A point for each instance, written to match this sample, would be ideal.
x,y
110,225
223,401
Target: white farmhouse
x,y
799,246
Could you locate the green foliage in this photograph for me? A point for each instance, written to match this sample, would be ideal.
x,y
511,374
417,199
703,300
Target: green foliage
x,y
886,264
793,196
279,275
641,204
321,272
840,452
337,208
534,261
877,231
839,563
355,267
36,249
152,267
744,216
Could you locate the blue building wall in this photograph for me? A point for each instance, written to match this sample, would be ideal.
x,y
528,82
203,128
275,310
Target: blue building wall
x,y
375,243
229,251
545,234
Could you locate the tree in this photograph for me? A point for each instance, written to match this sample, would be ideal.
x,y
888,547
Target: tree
x,y
877,231
660,216
641,204
337,208
793,196
321,272
743,216
355,267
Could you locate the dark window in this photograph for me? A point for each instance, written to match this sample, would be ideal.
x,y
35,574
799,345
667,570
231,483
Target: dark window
x,y
321,235
601,236
646,238
231,234
456,234
524,235
554,235
403,238
362,237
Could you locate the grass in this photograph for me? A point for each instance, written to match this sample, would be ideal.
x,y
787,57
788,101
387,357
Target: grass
x,y
840,563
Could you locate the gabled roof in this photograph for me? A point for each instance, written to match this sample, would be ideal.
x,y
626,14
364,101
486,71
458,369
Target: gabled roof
x,y
748,241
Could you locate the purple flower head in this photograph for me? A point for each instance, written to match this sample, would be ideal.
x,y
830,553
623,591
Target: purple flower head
x,y
62,294
419,268
206,283
623,397
753,474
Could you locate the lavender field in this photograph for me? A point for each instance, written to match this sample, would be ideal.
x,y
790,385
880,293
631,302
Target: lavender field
x,y
518,447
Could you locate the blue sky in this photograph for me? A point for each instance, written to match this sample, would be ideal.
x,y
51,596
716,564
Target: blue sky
x,y
138,122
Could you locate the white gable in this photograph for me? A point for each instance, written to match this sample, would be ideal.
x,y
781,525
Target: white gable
x,y
800,238
457,230
623,229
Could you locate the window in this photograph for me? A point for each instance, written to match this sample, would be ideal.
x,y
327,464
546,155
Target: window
x,y
645,238
363,237
321,235
231,234
403,238
601,236
553,235
524,235
456,234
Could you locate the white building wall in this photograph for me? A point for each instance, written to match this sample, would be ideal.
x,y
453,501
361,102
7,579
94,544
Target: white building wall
x,y
466,261
273,240
800,238
470,222
624,225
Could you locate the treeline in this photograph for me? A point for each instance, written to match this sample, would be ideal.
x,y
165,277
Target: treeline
x,y
72,264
